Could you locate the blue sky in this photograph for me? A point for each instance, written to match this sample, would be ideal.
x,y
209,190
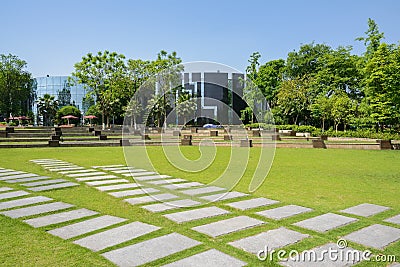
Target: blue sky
x,y
53,35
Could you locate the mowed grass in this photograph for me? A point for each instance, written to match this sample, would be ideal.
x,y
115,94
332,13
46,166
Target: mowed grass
x,y
324,180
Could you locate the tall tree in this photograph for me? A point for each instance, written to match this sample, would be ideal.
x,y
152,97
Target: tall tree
x,y
47,107
373,38
186,106
16,86
101,73
293,99
306,61
382,83
269,78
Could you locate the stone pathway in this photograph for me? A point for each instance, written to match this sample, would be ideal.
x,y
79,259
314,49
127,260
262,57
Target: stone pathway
x,y
176,198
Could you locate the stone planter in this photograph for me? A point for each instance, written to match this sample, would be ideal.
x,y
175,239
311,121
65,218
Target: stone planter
x,y
246,143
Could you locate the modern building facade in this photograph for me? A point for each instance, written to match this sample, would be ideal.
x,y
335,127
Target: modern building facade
x,y
218,95
60,88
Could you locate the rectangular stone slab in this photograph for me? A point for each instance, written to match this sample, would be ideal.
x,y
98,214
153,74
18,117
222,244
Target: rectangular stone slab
x,y
182,203
13,194
115,236
283,212
34,210
212,257
137,174
23,202
60,217
85,174
272,239
322,257
87,226
131,170
365,210
168,181
252,203
197,214
140,191
10,173
53,181
224,196
376,236
24,175
152,177
394,219
52,186
149,250
152,198
3,189
228,226
78,171
116,168
203,190
325,222
22,180
107,166
117,186
64,169
6,170
92,178
182,185
103,182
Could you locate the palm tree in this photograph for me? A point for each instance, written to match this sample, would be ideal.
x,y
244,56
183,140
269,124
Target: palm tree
x,y
133,110
157,108
47,107
186,106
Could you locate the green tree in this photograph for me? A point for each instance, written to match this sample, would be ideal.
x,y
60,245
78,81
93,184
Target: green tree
x,y
102,75
47,107
342,110
68,110
16,86
382,83
186,106
132,111
306,61
293,99
373,38
269,79
322,109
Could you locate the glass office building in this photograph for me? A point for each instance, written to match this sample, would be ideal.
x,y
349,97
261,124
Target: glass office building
x,y
57,86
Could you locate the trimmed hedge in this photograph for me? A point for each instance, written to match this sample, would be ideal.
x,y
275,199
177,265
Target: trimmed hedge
x,y
359,133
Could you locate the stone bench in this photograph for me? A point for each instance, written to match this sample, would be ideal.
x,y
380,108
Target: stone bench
x,y
213,133
318,143
246,143
227,137
384,144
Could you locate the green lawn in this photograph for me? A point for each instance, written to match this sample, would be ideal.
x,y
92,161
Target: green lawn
x,y
325,180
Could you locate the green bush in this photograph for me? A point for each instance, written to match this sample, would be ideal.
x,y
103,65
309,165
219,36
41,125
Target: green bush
x,y
68,110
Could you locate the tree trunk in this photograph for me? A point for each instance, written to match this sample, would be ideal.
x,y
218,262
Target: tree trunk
x,y
323,124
